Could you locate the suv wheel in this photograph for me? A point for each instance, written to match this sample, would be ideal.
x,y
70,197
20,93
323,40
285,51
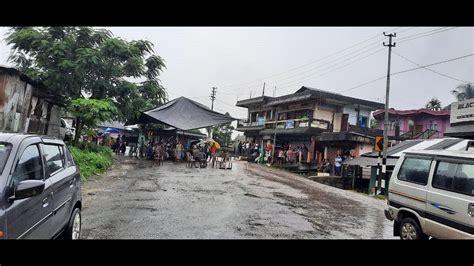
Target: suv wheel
x,y
73,230
411,230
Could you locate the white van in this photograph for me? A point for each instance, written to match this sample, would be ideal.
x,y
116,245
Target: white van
x,y
431,193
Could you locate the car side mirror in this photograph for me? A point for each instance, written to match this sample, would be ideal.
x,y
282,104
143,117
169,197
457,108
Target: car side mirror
x,y
27,189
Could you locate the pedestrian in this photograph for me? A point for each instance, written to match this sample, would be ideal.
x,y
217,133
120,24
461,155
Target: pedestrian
x,y
304,153
123,148
149,151
156,154
338,164
213,154
141,148
239,148
280,157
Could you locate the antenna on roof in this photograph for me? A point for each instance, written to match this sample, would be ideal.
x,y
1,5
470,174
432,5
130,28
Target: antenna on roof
x,y
263,91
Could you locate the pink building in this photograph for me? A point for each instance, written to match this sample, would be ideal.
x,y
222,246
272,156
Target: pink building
x,y
414,124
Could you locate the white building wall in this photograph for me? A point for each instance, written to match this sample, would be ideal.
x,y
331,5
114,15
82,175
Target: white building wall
x,y
351,110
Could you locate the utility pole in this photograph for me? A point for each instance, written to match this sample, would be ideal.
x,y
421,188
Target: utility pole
x,y
386,122
213,97
274,135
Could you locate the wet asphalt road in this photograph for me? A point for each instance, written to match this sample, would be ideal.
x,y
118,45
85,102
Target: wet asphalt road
x,y
138,201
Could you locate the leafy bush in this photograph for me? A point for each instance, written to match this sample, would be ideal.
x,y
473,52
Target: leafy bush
x,y
91,158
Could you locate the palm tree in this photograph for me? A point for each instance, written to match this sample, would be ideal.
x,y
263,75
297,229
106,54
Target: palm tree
x,y
464,92
434,104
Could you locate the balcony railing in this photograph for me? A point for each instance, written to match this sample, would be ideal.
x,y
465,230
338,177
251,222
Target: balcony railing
x,y
286,124
414,134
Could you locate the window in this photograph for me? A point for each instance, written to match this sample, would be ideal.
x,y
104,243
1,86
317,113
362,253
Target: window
x,y
5,149
54,160
69,159
434,125
464,179
455,177
363,121
415,170
411,125
444,177
29,166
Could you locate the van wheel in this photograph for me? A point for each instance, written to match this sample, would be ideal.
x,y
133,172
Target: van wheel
x,y
73,230
411,230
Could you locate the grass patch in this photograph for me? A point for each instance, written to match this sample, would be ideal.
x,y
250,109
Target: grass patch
x,y
91,158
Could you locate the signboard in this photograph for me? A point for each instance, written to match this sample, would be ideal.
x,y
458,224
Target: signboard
x,y
304,124
290,123
462,111
378,143
261,121
319,124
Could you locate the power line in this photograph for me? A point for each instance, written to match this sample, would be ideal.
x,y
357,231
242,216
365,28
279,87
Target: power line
x,y
407,38
426,35
334,60
312,76
436,72
408,70
312,62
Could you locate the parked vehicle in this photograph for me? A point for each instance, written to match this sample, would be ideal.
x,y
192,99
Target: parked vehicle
x,y
40,188
431,193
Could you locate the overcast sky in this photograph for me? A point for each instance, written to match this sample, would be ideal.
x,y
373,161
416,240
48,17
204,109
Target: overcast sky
x,y
198,58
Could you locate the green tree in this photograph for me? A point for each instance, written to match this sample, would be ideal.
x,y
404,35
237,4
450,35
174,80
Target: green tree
x,y
434,104
223,133
374,123
464,92
81,62
90,112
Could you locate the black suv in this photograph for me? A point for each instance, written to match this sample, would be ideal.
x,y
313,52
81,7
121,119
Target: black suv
x,y
40,189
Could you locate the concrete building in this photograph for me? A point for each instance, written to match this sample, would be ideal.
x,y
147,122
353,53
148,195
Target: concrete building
x,y
337,122
27,106
461,119
414,124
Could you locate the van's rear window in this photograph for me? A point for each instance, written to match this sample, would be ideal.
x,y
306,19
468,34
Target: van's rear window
x,y
5,149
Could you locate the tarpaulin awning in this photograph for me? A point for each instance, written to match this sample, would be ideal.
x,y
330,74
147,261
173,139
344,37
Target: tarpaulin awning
x,y
185,114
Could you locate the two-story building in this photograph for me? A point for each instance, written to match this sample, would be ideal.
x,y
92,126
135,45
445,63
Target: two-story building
x,y
414,124
337,122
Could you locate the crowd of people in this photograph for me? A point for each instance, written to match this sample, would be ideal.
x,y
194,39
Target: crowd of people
x,y
289,154
200,155
158,151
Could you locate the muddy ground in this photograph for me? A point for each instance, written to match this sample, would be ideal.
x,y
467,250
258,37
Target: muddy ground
x,y
136,200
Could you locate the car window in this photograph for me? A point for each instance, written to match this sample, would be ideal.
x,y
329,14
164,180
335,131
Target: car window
x,y
464,179
5,149
53,158
29,166
444,176
456,177
69,159
415,170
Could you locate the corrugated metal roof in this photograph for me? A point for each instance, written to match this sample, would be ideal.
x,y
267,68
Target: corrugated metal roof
x,y
397,148
444,144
